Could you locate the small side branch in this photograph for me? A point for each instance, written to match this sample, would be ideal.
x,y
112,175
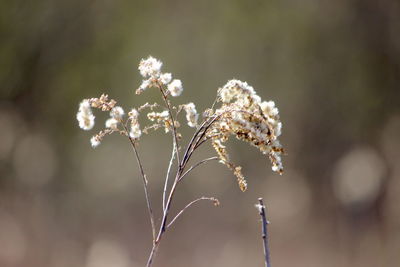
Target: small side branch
x,y
261,210
196,165
214,200
167,176
174,132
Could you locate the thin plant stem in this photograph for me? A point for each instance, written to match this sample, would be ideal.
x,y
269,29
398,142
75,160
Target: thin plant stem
x,y
174,133
192,141
167,207
214,200
200,134
261,210
144,179
152,254
167,177
196,165
193,144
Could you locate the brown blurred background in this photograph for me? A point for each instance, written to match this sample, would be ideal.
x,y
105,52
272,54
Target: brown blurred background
x,y
332,67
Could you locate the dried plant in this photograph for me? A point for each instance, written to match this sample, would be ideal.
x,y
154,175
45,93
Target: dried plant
x,y
264,230
237,111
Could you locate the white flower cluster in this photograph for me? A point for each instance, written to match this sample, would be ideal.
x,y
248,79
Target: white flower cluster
x,y
95,141
241,113
161,117
191,114
240,92
272,113
175,88
244,115
116,115
135,131
165,78
85,115
150,69
158,116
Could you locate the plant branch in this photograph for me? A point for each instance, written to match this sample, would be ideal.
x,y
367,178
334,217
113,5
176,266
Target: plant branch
x,y
214,200
152,254
194,142
195,165
261,210
198,135
167,176
144,179
174,133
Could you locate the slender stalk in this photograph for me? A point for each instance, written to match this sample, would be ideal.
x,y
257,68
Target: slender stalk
x,y
196,165
214,200
167,207
261,210
193,144
144,179
152,254
196,139
167,177
174,133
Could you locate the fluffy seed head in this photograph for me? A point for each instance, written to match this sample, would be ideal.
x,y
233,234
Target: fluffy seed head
x,y
191,114
95,141
117,113
243,115
165,78
135,131
175,88
112,123
150,67
85,116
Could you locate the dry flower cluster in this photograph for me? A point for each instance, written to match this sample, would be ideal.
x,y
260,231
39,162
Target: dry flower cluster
x,y
237,111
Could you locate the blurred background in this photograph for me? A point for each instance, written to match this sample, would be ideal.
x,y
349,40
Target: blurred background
x,y
332,67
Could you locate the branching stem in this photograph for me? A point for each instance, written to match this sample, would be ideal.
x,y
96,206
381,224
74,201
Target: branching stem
x,y
174,132
214,200
196,165
194,143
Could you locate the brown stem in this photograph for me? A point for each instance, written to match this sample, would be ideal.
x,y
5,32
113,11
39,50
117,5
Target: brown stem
x,y
152,254
196,165
199,134
174,133
144,179
214,200
261,210
196,139
163,227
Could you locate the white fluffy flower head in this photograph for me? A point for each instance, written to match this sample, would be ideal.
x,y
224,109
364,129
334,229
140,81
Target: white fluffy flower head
x,y
150,67
175,88
95,141
85,116
135,131
245,116
117,113
165,78
191,114
112,123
